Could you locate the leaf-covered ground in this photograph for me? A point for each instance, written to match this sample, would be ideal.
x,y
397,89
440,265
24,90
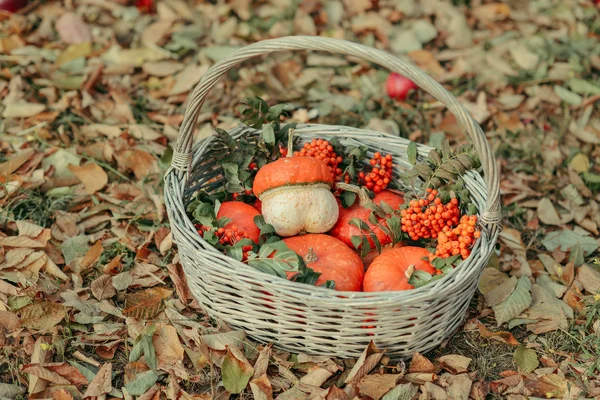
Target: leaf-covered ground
x,y
93,301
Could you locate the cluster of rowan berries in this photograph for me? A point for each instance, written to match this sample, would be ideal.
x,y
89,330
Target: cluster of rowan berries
x,y
323,150
227,236
381,173
459,240
234,196
426,218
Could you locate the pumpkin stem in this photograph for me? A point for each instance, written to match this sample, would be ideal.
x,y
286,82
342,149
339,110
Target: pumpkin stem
x,y
311,256
290,147
409,271
363,194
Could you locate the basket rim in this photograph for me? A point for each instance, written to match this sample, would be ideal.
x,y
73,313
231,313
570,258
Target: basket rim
x,y
474,263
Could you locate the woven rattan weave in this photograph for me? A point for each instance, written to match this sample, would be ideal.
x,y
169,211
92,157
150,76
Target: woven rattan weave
x,y
307,319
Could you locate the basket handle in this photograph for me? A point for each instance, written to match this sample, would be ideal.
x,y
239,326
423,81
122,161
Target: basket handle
x,y
182,155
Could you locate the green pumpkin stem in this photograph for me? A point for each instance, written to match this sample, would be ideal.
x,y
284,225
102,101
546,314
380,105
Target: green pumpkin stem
x,y
363,194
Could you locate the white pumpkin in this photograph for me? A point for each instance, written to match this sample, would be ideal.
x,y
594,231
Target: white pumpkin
x,y
296,209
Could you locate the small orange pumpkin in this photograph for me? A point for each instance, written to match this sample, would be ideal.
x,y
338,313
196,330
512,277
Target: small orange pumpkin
x,y
331,257
391,270
241,215
344,231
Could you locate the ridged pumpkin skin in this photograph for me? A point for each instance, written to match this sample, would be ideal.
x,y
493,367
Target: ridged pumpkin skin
x,y
334,260
388,271
344,231
242,215
295,195
291,171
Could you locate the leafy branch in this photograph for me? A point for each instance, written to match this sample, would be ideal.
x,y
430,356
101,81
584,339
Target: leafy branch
x,y
443,165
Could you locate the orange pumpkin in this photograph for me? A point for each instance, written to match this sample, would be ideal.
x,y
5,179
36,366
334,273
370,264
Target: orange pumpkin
x,y
344,231
392,268
331,257
242,216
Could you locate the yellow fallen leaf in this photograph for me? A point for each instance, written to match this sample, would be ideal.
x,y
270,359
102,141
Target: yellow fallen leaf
x,y
91,175
580,163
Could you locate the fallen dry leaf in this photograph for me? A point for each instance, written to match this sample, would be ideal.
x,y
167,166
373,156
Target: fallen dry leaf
x,y
72,29
102,287
375,386
91,175
102,382
454,363
167,346
589,278
502,336
420,363
42,316
365,363
146,303
58,373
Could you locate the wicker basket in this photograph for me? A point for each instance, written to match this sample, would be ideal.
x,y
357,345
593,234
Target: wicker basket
x,y
313,320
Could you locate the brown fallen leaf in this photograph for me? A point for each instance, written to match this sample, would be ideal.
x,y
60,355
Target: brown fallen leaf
x,y
365,363
146,303
454,363
166,343
547,213
589,278
420,363
143,164
58,373
335,393
420,378
460,386
501,292
91,175
502,336
260,384
102,382
490,279
42,316
72,29
61,394
102,287
375,386
15,161
92,256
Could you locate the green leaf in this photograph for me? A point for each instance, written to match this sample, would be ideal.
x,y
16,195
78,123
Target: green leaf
x,y
526,359
576,255
515,304
149,353
566,240
141,383
202,212
411,152
404,391
419,278
360,224
74,247
446,152
356,241
236,371
435,157
348,199
230,172
268,134
567,96
583,87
